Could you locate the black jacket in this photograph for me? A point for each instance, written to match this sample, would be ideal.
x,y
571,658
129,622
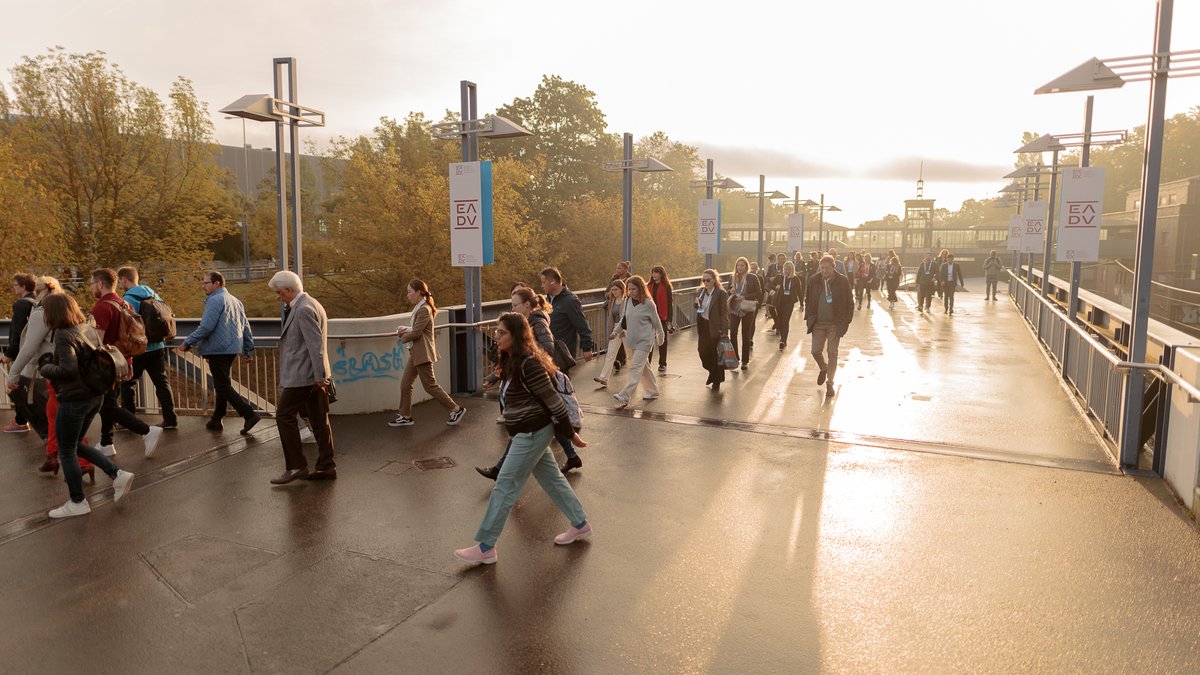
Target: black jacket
x,y
20,316
718,312
540,324
72,346
843,301
568,323
928,277
752,290
794,284
950,276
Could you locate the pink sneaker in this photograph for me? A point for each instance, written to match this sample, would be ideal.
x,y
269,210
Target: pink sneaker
x,y
574,533
474,555
15,428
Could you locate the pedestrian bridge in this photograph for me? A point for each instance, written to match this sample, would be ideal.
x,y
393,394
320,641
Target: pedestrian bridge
x,y
956,505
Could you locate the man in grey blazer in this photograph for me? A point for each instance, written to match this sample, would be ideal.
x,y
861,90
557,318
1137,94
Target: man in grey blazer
x,y
303,380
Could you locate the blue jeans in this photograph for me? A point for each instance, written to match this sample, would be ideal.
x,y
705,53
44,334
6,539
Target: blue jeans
x,y
528,453
564,441
71,422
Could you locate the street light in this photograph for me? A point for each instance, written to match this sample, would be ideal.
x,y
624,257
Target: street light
x,y
1112,73
468,130
709,183
762,195
627,165
245,198
264,108
821,219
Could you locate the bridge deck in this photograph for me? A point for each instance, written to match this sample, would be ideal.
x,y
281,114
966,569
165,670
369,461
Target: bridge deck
x,y
947,510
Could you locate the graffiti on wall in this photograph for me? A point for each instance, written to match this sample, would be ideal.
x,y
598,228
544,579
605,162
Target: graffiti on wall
x,y
370,365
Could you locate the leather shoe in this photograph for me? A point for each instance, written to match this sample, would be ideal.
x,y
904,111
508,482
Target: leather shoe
x,y
821,377
322,474
214,425
253,419
289,476
489,472
571,463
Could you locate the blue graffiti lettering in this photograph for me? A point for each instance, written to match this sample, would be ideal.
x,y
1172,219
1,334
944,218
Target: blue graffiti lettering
x,y
370,365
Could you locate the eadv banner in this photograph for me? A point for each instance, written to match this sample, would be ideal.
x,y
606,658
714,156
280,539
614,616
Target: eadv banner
x,y
471,243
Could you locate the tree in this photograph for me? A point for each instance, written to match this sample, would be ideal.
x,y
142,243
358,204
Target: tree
x,y
29,235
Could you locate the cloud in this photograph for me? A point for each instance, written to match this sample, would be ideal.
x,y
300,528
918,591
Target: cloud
x,y
939,170
738,161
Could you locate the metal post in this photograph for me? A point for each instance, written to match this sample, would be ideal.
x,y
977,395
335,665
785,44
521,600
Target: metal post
x,y
281,200
708,194
245,198
796,209
821,227
1049,227
762,197
472,276
297,223
627,199
1085,159
1131,415
1037,194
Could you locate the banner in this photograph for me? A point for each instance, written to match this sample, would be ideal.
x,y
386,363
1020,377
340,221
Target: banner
x,y
1079,215
1033,217
709,240
471,243
795,223
1016,229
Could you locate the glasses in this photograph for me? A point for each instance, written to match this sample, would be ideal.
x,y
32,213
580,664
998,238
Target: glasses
x,y
707,280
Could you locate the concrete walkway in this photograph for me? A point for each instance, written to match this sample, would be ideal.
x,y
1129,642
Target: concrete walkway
x,y
948,510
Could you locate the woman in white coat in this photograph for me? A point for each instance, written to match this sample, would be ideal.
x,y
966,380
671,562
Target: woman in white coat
x,y
643,332
614,311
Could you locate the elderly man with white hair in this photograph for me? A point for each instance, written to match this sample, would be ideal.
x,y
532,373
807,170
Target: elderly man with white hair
x,y
304,378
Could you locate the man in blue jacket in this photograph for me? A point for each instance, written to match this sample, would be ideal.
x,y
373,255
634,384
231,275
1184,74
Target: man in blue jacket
x,y
154,360
223,333
567,321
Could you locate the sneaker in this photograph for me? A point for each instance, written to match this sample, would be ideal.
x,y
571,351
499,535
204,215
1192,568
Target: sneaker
x,y
649,397
71,509
617,366
621,400
109,450
249,423
573,534
571,463
456,416
307,436
603,382
122,484
151,440
15,428
500,419
475,556
214,425
401,421
662,368
173,424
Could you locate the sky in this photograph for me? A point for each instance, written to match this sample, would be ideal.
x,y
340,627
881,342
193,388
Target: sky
x,y
845,99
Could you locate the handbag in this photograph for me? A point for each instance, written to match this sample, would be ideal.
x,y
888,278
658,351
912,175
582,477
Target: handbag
x,y
748,306
728,357
562,357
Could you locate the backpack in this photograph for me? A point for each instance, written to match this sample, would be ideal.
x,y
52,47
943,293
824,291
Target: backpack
x,y
131,331
103,368
158,319
562,384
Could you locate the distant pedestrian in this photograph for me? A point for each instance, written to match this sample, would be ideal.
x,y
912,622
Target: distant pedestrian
x,y
115,318
828,310
22,285
951,280
614,311
643,331
533,412
865,277
304,380
75,341
992,267
223,335
622,272
745,291
891,276
567,321
789,290
712,323
422,354
663,294
941,260
927,282
154,359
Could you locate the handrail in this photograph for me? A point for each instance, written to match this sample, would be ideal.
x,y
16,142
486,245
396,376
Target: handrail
x,y
1168,374
1088,337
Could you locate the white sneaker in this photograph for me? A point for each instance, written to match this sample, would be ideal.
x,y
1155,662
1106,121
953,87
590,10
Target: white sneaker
x,y
122,484
307,436
109,450
151,440
71,509
401,421
621,400
649,397
500,419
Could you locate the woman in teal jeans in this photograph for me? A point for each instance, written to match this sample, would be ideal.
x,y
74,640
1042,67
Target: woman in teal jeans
x,y
533,412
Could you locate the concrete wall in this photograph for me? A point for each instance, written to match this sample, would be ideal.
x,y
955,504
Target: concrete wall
x,y
1182,466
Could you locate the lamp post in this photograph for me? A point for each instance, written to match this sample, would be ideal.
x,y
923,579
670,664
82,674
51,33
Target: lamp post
x,y
1112,73
762,195
245,224
821,220
468,130
264,108
796,203
627,165
709,183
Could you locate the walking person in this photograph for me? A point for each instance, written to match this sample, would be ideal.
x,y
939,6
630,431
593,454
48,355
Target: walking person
x,y
422,355
892,277
744,294
533,412
992,267
927,282
112,315
951,279
154,360
791,288
643,330
940,261
865,276
712,323
26,388
23,287
663,295
304,380
614,311
223,334
75,341
567,321
828,308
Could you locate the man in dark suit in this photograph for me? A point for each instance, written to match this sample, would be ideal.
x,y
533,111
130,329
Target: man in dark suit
x,y
712,323
22,288
951,278
829,306
304,379
927,282
567,321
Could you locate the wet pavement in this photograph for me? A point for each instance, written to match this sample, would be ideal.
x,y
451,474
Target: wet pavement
x,y
948,510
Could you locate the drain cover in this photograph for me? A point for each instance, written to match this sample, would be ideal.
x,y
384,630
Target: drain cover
x,y
431,463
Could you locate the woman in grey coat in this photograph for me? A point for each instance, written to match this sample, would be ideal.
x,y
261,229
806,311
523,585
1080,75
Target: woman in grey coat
x,y
643,332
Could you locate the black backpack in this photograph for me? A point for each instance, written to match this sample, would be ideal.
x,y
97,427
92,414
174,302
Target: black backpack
x,y
102,367
158,318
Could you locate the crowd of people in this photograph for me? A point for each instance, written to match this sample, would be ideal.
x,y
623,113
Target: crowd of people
x,y
54,347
